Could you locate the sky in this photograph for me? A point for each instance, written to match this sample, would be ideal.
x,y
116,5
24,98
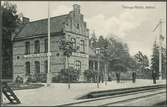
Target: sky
x,y
131,22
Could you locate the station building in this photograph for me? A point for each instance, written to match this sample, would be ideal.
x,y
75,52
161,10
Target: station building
x,y
30,45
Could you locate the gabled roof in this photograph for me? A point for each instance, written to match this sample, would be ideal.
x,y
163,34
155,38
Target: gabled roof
x,y
40,27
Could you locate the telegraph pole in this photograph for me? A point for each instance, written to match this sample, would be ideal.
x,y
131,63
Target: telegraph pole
x,y
98,65
105,75
160,46
49,53
160,51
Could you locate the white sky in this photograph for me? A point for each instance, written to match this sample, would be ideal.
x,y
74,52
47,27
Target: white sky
x,y
134,26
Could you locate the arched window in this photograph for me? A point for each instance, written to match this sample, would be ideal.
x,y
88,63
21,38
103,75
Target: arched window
x,y
27,67
37,47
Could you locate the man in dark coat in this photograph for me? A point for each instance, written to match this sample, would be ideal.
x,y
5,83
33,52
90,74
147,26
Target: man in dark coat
x,y
118,77
134,77
154,77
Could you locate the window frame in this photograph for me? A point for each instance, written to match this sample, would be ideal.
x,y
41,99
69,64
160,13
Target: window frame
x,y
46,45
27,47
27,68
36,46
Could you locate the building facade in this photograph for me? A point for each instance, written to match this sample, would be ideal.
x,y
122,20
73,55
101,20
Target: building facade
x,y
30,45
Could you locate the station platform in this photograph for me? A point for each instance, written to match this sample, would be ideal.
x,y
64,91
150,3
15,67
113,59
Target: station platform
x,y
59,94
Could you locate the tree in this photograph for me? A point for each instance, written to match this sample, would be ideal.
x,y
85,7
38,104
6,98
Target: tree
x,y
118,67
65,74
132,64
10,22
68,49
93,40
90,75
114,52
142,61
102,42
119,54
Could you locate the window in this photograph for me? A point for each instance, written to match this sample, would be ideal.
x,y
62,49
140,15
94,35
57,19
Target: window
x,y
90,65
27,68
96,65
18,57
27,48
82,47
46,66
37,67
46,45
73,40
78,65
37,46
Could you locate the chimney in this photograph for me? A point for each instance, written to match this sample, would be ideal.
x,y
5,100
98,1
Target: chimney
x,y
76,8
25,20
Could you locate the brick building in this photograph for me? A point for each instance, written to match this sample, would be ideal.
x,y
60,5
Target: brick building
x,y
30,45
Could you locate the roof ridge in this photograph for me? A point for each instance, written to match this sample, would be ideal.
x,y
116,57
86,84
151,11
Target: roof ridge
x,y
47,18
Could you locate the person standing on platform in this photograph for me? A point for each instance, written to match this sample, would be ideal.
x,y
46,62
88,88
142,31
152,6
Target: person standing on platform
x,y
133,77
118,77
154,76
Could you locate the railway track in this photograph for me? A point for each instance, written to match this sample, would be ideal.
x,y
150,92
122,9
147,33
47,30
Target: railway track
x,y
110,97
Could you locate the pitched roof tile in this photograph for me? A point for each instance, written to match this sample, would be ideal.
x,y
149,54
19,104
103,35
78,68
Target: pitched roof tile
x,y
41,26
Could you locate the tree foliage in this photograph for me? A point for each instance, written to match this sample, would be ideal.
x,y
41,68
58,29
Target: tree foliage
x,y
67,75
90,75
67,47
141,61
114,51
10,18
10,21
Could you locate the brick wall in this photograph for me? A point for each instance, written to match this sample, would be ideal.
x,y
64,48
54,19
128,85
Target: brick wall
x,y
19,57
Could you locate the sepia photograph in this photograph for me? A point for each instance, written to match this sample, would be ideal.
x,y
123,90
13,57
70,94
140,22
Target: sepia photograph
x,y
83,53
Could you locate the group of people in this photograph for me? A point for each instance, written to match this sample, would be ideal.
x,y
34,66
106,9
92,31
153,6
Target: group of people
x,y
154,76
133,77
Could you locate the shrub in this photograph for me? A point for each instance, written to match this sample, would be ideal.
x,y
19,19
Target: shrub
x,y
43,77
19,80
90,75
67,74
56,79
31,79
